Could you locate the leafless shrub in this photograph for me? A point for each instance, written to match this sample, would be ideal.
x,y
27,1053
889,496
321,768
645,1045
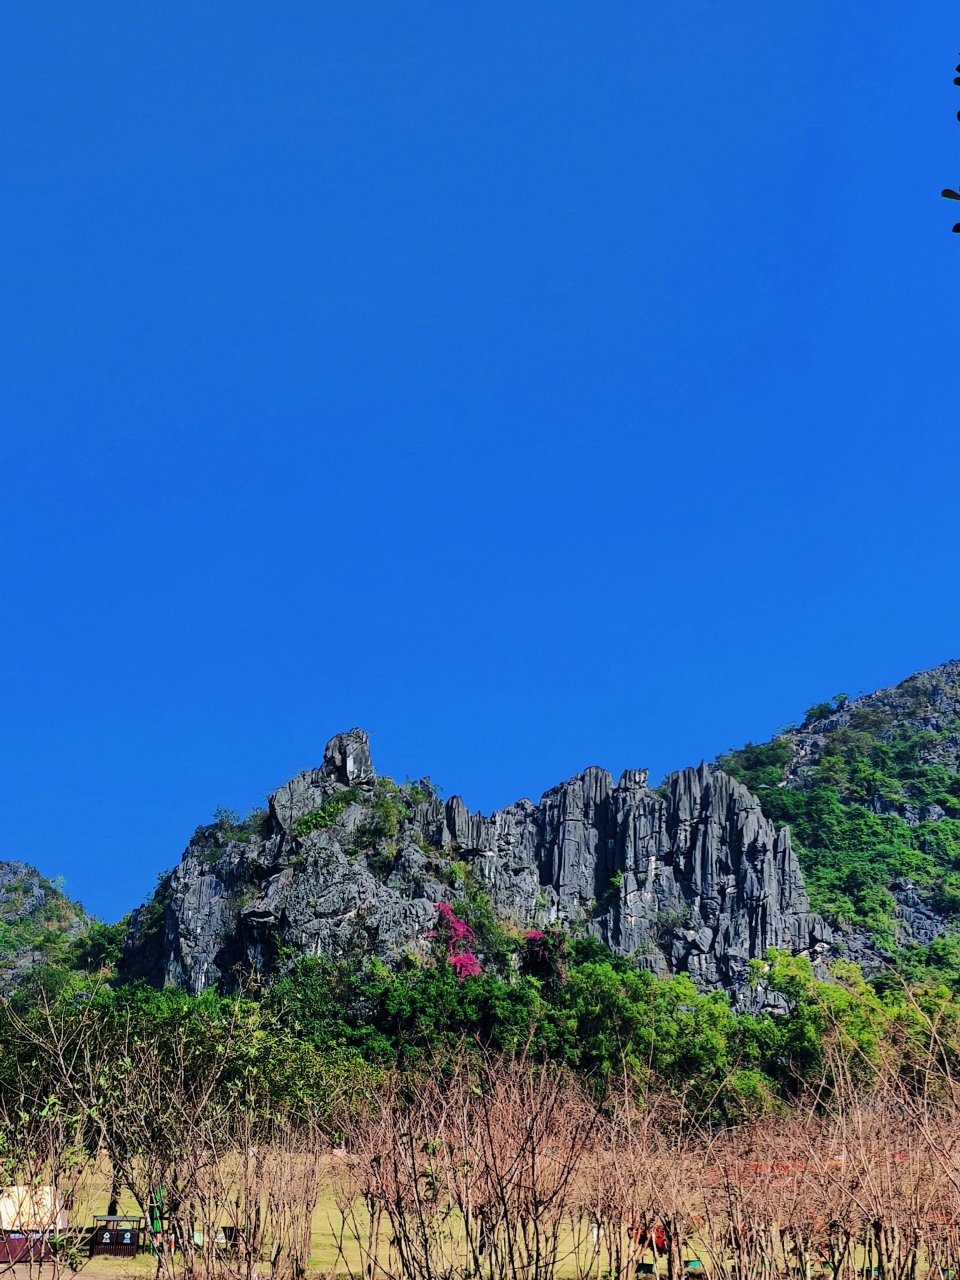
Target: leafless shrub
x,y
470,1174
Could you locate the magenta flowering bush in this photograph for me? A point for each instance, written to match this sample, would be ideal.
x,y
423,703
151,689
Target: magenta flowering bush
x,y
450,928
542,956
537,947
465,965
453,941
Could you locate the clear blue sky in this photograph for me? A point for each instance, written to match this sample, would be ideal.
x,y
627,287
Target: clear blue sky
x,y
534,384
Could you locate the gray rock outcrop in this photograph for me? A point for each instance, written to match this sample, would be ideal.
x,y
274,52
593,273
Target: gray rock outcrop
x,y
689,878
35,915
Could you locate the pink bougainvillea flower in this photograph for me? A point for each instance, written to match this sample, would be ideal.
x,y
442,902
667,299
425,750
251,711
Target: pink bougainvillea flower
x,y
465,965
450,925
456,936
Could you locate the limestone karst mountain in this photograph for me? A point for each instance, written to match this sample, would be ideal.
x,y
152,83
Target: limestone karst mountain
x,y
37,920
689,878
840,836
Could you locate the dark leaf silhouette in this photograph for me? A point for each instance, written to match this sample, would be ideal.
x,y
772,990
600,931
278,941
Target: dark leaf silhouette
x,y
948,194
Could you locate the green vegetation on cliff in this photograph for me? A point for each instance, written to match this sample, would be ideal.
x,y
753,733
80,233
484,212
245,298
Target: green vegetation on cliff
x,y
39,924
872,798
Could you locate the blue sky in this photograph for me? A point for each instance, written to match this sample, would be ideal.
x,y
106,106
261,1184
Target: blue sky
x,y
534,384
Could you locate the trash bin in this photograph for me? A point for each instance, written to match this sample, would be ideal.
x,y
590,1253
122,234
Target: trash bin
x,y
113,1237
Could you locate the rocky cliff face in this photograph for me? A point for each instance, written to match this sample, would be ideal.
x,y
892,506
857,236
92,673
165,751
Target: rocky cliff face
x,y
689,878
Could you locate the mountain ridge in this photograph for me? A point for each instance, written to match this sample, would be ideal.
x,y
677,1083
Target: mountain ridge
x,y
840,836
691,878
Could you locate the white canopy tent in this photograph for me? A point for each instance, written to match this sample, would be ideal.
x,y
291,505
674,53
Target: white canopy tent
x,y
32,1209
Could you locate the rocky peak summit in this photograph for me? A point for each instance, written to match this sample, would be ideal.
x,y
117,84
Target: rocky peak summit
x,y
346,764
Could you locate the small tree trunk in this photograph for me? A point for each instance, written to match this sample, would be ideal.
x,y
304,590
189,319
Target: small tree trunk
x,y
113,1208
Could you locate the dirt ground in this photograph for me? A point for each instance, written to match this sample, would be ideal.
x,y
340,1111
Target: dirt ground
x,y
141,1268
